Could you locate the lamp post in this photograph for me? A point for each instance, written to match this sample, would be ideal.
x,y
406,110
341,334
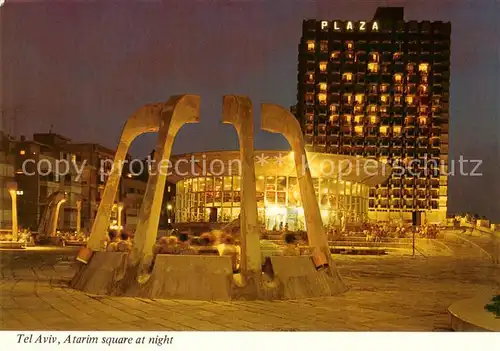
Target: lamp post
x,y
78,216
12,188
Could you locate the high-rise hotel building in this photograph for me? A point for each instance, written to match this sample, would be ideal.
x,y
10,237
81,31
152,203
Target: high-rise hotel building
x,y
380,89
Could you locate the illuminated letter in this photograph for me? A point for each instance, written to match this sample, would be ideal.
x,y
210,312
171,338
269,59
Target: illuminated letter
x,y
362,25
349,25
324,24
375,26
335,26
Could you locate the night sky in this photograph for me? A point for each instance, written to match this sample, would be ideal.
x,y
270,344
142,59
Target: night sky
x,y
84,67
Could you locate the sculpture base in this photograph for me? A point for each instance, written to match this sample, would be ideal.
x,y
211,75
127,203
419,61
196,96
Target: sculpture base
x,y
208,278
102,274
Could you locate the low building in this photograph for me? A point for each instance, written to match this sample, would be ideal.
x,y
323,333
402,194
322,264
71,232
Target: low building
x,y
208,187
44,166
7,159
96,167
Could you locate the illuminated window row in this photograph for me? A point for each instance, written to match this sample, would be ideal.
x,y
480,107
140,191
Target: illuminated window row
x,y
374,67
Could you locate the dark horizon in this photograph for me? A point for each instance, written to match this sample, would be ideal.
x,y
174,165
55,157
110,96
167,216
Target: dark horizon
x,y
83,68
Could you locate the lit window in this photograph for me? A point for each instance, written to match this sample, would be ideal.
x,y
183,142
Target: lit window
x,y
423,67
384,88
310,77
422,89
374,56
335,55
383,109
73,158
348,98
396,130
372,108
398,89
322,86
397,56
359,98
410,99
347,118
347,77
323,46
422,109
358,119
349,45
358,129
349,56
373,67
322,99
358,109
384,98
425,79
311,46
333,108
333,118
373,119
410,67
19,192
397,99
322,66
373,89
383,130
22,152
422,120
398,77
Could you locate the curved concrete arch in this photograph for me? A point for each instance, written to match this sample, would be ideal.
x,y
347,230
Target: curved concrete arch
x,y
178,111
149,118
237,110
48,224
276,119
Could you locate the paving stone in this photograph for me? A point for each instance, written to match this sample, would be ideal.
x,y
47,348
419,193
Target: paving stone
x,y
386,293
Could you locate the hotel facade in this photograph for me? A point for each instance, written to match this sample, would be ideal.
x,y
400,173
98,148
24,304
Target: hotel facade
x,y
379,89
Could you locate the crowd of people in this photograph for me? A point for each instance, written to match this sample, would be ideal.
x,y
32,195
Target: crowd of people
x,y
212,244
118,242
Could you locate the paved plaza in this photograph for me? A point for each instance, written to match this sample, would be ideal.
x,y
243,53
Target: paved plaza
x,y
388,293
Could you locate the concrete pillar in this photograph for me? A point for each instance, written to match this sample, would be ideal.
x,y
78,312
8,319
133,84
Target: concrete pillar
x,y
78,215
119,214
55,219
12,188
276,119
237,110
178,111
146,120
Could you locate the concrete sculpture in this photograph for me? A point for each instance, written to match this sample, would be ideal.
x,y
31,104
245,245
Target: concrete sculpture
x,y
146,120
48,224
237,110
198,276
276,119
178,111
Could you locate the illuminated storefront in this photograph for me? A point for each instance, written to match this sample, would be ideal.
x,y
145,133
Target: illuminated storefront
x,y
209,188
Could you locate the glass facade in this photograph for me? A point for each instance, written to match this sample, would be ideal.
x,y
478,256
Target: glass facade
x,y
205,199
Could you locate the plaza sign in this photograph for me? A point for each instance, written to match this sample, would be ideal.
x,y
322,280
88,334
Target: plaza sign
x,y
350,26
